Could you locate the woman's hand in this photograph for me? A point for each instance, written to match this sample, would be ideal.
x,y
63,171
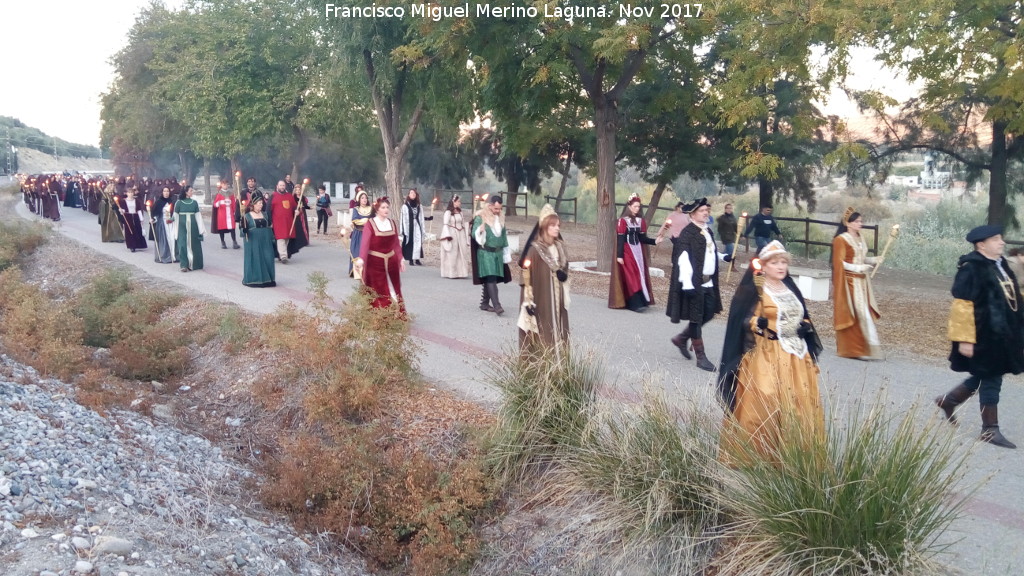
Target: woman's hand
x,y
619,260
966,349
401,267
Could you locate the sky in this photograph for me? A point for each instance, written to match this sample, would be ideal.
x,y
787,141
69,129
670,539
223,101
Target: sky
x,y
64,48
56,62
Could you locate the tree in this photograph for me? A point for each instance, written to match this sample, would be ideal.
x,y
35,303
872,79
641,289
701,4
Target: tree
x,y
969,58
408,82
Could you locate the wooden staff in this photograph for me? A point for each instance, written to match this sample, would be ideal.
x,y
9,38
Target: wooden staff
x,y
893,234
298,207
124,214
732,257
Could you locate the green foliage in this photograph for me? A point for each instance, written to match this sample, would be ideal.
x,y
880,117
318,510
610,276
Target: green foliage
x,y
233,330
870,497
96,306
547,406
18,240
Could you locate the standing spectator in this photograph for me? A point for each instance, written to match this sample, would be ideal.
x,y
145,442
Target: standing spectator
x,y
225,215
454,241
258,237
289,186
675,223
488,253
763,226
356,221
694,294
630,285
380,260
985,323
1016,261
411,228
190,231
162,218
544,313
727,231
131,207
323,208
282,217
854,309
769,376
250,189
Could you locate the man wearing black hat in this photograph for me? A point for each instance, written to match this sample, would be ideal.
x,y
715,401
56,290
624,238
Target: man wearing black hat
x,y
694,293
985,324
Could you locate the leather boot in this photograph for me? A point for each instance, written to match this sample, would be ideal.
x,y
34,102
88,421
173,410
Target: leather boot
x,y
682,341
234,244
990,428
493,288
702,360
950,400
485,300
223,244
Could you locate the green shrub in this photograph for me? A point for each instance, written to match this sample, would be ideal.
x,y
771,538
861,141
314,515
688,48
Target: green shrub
x,y
18,240
547,406
869,497
233,330
157,352
95,306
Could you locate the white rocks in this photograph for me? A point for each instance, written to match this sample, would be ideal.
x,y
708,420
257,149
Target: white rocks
x,y
125,494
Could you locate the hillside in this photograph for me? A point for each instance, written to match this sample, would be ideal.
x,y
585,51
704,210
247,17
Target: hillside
x,y
35,162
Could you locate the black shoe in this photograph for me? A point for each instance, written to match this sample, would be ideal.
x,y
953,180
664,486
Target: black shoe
x,y
418,263
236,246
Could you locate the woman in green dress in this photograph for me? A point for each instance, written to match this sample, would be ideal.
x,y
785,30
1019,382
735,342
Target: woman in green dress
x,y
260,247
190,231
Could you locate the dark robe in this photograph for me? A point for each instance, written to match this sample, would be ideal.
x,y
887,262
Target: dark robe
x,y
632,278
549,293
301,238
999,343
690,306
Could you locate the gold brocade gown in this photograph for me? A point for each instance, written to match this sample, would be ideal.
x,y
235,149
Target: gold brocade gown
x,y
777,381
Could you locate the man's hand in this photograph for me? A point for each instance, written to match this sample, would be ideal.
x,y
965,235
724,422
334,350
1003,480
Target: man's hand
x,y
966,348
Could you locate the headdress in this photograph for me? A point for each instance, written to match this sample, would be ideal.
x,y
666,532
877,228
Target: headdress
x,y
693,206
257,195
545,212
772,249
634,197
846,215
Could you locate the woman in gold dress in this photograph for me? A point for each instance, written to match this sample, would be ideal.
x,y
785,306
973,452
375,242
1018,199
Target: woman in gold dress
x,y
769,375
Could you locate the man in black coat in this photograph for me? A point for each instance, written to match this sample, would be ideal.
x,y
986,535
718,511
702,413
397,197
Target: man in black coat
x,y
694,293
985,323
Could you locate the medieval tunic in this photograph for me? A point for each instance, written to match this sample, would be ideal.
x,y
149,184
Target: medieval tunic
x,y
454,246
260,252
190,231
300,239
547,330
224,213
855,308
488,254
412,231
282,215
772,372
130,209
382,258
987,311
110,226
630,285
163,230
357,219
695,259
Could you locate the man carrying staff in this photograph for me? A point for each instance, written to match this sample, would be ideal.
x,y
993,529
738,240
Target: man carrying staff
x,y
282,213
985,323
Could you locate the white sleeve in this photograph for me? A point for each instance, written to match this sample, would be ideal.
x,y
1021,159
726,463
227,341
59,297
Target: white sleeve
x,y
685,271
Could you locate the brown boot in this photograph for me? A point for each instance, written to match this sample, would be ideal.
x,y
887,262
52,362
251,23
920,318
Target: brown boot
x,y
702,360
990,428
950,400
682,341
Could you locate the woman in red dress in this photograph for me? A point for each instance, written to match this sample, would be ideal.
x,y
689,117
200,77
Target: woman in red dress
x,y
380,257
630,285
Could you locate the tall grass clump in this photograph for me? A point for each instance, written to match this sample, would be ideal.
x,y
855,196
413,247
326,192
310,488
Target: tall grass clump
x,y
932,240
654,469
548,403
37,331
18,240
870,497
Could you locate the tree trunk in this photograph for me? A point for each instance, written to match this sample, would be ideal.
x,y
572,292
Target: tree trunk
x,y
511,194
206,180
564,181
606,125
997,176
652,208
766,193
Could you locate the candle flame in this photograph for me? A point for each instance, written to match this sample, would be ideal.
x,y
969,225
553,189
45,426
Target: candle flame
x,y
668,222
756,263
305,180
744,214
526,263
238,174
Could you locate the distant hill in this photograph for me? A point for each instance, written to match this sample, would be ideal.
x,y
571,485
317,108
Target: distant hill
x,y
29,141
35,162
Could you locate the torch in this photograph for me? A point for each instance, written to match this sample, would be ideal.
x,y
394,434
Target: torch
x,y
740,224
893,234
758,276
433,204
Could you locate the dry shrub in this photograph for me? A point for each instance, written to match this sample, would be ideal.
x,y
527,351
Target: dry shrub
x,y
98,390
18,240
158,352
344,469
36,331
